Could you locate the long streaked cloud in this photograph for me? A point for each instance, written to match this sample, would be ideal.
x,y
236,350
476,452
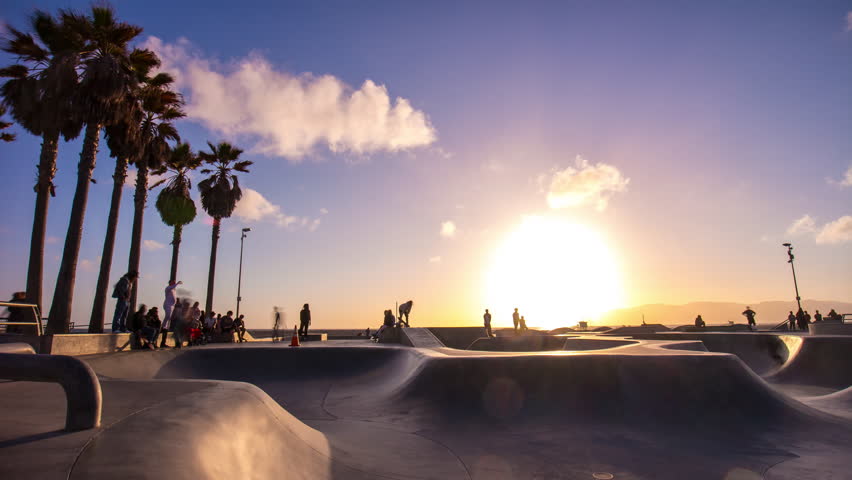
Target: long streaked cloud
x,y
583,184
254,207
849,21
802,225
152,245
838,231
289,114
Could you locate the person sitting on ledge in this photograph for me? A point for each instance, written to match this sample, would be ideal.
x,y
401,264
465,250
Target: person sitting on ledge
x,y
141,330
227,324
388,322
152,321
699,322
817,317
834,316
240,327
522,324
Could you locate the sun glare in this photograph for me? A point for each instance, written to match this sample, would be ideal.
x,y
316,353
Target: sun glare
x,y
555,272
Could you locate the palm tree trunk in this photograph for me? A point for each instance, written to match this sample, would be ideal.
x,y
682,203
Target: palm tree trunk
x,y
175,252
59,319
211,276
96,321
140,197
44,190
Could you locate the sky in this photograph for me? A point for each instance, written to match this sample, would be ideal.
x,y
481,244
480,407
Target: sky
x,y
561,157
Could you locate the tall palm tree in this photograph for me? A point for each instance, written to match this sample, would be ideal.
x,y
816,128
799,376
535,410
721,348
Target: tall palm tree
x,y
220,193
39,94
5,136
107,78
161,108
174,201
123,141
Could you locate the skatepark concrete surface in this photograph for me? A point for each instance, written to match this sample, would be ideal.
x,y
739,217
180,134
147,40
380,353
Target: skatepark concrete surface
x,y
686,406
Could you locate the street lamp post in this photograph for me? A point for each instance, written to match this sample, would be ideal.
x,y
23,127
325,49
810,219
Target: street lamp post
x,y
795,283
240,276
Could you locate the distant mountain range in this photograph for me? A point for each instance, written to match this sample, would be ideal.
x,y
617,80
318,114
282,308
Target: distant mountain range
x,y
768,313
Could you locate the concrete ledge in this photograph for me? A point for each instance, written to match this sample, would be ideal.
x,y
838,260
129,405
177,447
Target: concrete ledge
x,y
81,385
90,343
830,328
16,348
314,337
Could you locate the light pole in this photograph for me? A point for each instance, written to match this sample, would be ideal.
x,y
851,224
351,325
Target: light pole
x,y
240,276
795,283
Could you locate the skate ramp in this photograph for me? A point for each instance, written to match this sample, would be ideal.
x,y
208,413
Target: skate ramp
x,y
824,361
397,412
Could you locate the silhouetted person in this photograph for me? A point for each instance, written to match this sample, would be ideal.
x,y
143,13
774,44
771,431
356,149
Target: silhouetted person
x,y
487,320
791,321
304,320
800,319
240,325
834,316
121,292
749,314
405,310
699,322
806,320
276,325
227,325
21,315
522,324
817,317
137,321
169,301
516,319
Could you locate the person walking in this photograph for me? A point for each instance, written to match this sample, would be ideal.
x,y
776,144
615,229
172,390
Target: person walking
x,y
170,300
749,314
516,319
791,321
276,325
487,320
121,292
304,320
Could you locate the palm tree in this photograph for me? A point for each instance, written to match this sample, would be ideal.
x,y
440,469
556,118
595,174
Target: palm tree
x,y
123,141
5,136
161,108
220,193
107,78
174,202
39,94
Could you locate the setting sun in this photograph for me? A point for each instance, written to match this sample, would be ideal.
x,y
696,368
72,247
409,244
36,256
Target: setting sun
x,y
554,271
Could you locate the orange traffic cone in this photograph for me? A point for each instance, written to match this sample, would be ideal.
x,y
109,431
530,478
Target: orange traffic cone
x,y
295,341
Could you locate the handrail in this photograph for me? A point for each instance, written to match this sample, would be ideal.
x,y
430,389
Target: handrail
x,y
82,388
36,315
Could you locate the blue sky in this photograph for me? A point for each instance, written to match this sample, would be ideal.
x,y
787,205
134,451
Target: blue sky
x,y
726,122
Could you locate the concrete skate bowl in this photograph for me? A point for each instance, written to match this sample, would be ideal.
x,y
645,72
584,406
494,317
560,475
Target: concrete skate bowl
x,y
764,354
393,412
545,343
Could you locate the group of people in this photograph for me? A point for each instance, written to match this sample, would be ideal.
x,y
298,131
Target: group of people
x,y
518,321
801,319
188,323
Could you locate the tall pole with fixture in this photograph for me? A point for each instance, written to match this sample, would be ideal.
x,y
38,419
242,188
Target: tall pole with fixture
x,y
795,283
240,276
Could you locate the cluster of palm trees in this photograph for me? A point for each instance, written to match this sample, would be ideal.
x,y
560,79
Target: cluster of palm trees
x,y
78,70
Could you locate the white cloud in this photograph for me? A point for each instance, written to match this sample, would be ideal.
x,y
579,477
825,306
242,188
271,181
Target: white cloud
x,y
254,207
846,181
323,211
130,179
804,224
585,184
849,21
152,245
435,259
291,114
448,229
838,231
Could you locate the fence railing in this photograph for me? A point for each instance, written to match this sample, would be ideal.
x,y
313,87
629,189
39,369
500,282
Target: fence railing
x,y
35,319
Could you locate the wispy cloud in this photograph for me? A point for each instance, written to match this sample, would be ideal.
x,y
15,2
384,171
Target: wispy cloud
x,y
51,240
130,179
849,21
448,229
291,114
802,225
435,259
584,184
323,211
845,181
493,166
254,207
87,265
152,245
838,231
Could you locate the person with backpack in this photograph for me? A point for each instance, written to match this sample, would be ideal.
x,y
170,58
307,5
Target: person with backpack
x,y
121,292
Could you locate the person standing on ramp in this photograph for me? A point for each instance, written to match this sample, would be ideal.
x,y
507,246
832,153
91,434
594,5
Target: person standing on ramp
x,y
487,319
304,320
516,319
749,314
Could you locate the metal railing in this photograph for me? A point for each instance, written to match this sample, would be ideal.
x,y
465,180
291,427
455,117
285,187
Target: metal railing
x,y
36,317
